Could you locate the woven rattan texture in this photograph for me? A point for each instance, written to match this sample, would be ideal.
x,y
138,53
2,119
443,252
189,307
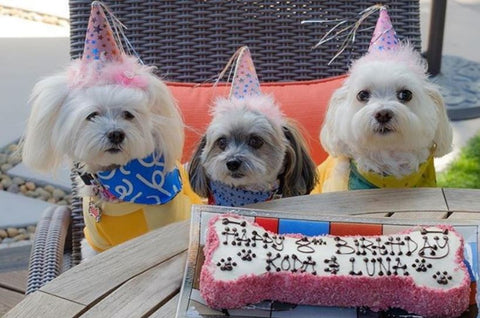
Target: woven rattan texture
x,y
77,224
191,41
46,258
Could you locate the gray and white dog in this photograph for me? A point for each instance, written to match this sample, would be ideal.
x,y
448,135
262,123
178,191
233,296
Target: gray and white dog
x,y
250,147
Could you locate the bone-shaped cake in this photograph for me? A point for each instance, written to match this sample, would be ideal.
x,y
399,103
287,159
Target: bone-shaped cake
x,y
420,270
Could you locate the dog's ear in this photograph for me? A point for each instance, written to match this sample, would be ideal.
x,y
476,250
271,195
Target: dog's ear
x,y
38,144
167,121
443,134
329,136
196,173
299,174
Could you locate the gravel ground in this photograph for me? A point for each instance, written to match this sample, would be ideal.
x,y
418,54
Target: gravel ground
x,y
12,236
8,159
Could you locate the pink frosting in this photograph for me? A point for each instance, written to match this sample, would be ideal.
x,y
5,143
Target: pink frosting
x,y
341,290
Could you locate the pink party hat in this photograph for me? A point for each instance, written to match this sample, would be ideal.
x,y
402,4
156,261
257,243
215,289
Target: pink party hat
x,y
245,81
100,43
245,91
104,61
384,37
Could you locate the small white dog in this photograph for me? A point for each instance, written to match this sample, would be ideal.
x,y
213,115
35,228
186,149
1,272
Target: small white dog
x,y
104,127
384,125
250,153
118,123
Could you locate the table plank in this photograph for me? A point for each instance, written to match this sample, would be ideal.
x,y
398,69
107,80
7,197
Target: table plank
x,y
40,304
15,280
375,215
167,310
8,299
360,202
140,295
463,200
92,280
420,215
464,216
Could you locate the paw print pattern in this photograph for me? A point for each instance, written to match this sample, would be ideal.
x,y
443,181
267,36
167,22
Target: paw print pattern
x,y
246,255
442,278
333,266
226,265
421,265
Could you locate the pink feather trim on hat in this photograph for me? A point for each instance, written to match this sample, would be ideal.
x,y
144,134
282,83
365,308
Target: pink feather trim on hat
x,y
263,104
126,72
103,61
403,54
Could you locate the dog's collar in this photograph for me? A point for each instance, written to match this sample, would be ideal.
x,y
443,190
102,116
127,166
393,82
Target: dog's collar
x,y
142,181
423,177
226,195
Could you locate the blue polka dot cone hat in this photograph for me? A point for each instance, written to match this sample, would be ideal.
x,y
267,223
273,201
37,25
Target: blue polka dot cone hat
x,y
245,81
384,37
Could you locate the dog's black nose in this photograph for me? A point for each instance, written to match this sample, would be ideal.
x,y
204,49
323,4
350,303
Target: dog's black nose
x,y
116,136
233,165
384,116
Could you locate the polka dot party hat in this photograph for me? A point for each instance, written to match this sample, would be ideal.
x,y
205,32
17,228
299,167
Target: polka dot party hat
x,y
245,91
245,81
104,60
384,37
100,43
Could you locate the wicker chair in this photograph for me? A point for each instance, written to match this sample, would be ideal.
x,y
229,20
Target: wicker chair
x,y
190,41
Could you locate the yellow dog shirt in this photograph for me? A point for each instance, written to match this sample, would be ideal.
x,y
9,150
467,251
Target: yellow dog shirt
x,y
122,221
353,179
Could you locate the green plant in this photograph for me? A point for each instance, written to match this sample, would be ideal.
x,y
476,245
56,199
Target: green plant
x,y
464,171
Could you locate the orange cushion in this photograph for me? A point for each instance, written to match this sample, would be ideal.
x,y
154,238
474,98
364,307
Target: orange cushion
x,y
304,101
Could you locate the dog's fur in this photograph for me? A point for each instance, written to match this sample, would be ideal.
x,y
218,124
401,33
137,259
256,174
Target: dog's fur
x,y
58,127
74,123
398,143
266,151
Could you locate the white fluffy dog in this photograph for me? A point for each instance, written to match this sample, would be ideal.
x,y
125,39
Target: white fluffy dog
x,y
250,153
386,120
103,124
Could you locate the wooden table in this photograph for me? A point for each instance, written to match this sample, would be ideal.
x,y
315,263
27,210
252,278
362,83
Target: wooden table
x,y
142,277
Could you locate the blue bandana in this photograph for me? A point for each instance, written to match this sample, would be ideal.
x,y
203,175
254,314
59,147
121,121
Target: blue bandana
x,y
225,195
142,181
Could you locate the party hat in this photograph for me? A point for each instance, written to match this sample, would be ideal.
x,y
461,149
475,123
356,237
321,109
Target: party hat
x,y
245,91
384,37
245,81
100,43
104,60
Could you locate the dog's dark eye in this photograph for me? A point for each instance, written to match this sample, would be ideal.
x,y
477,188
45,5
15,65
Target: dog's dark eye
x,y
128,115
255,142
363,96
404,95
221,143
92,115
